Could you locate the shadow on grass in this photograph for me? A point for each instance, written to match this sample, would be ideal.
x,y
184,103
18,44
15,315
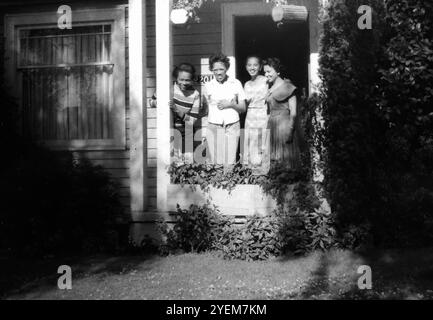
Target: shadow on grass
x,y
396,274
21,276
319,279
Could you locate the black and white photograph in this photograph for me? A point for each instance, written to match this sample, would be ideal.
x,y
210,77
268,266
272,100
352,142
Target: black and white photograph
x,y
216,156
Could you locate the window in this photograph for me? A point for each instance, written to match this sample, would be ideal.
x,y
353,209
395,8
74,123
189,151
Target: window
x,y
71,81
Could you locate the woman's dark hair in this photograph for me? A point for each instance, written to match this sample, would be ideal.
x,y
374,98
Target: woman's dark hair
x,y
185,67
254,56
219,58
274,63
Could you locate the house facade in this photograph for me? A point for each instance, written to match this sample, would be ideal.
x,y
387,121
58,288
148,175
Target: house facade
x,y
85,88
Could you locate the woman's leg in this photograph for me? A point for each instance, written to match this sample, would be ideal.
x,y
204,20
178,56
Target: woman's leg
x,y
211,135
232,140
188,143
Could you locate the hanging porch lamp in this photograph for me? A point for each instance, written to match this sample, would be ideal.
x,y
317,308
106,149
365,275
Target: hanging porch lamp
x,y
179,16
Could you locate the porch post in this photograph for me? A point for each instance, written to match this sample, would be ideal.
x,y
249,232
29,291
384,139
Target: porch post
x,y
137,107
163,88
313,75
313,67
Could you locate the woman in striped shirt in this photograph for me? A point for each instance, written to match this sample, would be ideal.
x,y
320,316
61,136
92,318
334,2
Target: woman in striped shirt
x,y
185,110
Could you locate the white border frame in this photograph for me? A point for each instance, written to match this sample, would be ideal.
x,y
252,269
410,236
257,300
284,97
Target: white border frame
x,y
113,16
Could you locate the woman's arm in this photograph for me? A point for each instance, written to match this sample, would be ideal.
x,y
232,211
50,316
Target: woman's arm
x,y
152,101
239,107
238,102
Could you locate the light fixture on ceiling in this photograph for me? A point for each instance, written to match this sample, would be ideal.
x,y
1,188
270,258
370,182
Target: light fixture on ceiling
x,y
179,16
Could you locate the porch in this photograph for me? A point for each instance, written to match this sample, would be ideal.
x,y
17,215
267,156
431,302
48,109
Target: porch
x,y
169,44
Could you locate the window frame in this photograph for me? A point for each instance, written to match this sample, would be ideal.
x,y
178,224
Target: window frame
x,y
113,16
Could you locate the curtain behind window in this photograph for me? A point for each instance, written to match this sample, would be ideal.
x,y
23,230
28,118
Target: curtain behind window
x,y
67,78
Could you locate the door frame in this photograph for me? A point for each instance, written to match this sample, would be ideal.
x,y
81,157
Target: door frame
x,y
228,13
235,9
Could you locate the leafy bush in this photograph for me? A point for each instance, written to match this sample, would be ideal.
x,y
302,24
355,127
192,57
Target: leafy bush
x,y
207,175
203,228
280,180
404,99
194,229
51,203
376,102
256,239
276,182
147,245
355,237
349,60
305,231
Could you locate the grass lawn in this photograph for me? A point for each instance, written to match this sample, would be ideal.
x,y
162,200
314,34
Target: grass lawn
x,y
396,274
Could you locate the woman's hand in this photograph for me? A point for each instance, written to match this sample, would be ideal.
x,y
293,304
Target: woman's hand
x,y
175,108
189,120
151,102
224,104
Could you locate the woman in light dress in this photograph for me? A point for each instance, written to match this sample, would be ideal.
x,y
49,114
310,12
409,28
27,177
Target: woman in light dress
x,y
257,115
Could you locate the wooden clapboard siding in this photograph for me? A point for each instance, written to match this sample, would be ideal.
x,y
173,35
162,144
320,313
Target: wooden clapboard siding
x,y
115,162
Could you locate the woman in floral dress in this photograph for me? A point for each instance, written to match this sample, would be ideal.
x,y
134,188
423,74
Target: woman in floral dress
x,y
257,117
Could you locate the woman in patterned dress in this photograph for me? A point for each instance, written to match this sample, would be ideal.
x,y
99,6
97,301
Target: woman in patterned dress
x,y
257,117
285,138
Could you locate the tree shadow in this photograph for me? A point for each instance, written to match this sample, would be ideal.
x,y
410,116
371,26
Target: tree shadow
x,y
22,276
318,284
396,275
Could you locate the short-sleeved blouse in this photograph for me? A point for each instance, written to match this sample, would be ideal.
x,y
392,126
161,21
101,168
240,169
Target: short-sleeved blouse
x,y
256,92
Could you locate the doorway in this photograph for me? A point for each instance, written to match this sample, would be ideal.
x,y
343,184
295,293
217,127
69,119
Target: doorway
x,y
289,42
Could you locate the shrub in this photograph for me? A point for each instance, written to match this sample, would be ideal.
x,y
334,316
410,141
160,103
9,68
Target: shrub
x,y
203,228
276,182
306,231
376,99
147,245
207,175
51,203
294,231
194,230
349,60
404,99
256,239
